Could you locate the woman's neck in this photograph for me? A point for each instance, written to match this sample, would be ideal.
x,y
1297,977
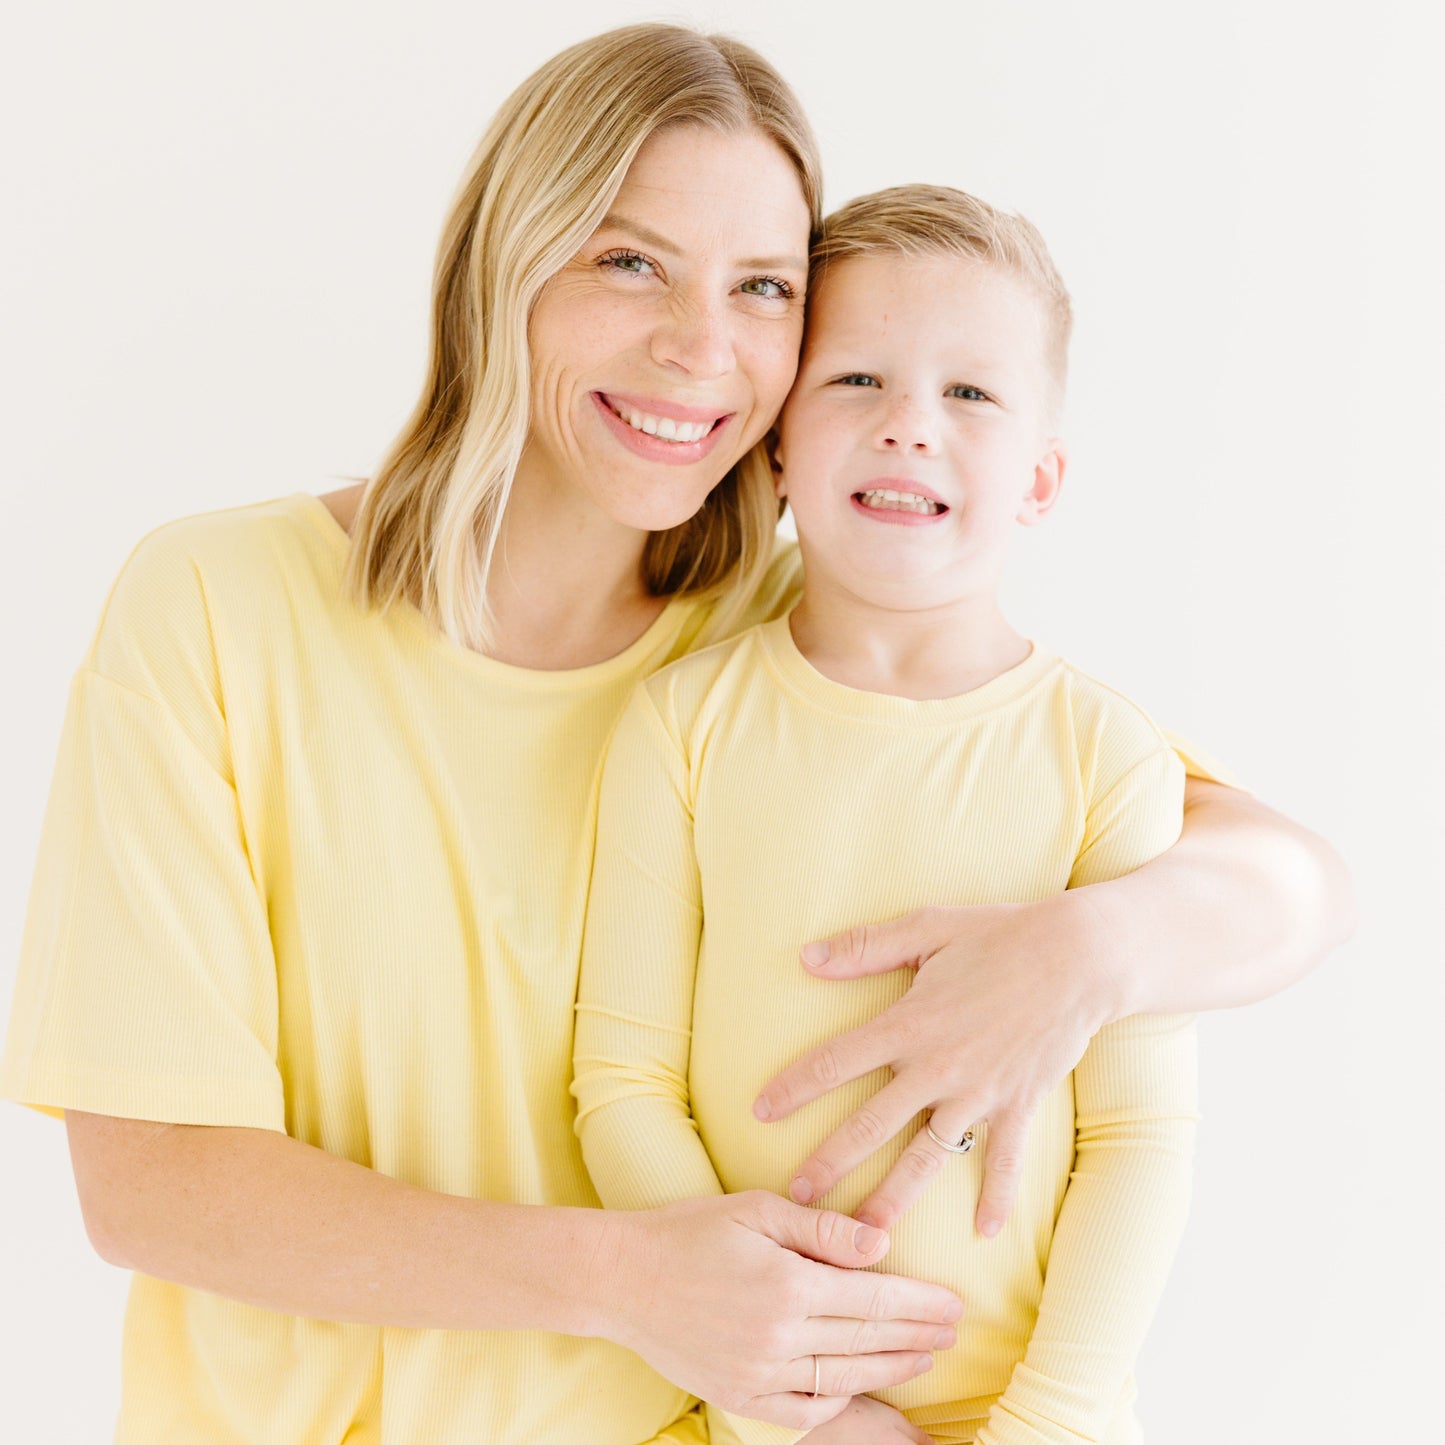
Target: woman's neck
x,y
558,601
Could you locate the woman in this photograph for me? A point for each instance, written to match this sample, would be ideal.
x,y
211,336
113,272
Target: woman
x,y
301,951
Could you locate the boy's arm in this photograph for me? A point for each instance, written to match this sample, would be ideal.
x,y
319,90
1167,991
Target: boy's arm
x,y
639,963
634,1009
1245,903
1135,1097
1117,1231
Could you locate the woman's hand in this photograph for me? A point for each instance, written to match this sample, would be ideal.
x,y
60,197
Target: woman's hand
x,y
868,1422
733,1297
1008,995
1005,1001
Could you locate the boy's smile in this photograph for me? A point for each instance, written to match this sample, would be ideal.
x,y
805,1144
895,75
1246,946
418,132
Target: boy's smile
x,y
917,433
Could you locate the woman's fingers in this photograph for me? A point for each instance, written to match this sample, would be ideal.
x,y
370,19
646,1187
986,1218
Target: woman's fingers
x,y
864,1130
867,1296
849,1375
876,947
849,1056
920,1164
841,1336
1003,1167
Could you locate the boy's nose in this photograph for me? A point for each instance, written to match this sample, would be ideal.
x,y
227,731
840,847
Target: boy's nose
x,y
907,427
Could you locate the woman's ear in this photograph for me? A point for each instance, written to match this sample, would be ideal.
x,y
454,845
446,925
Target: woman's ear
x,y
1049,471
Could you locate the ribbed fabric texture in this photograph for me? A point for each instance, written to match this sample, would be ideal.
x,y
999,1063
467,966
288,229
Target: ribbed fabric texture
x,y
750,804
309,869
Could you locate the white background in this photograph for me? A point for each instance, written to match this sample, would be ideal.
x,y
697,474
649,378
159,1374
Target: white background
x,y
218,232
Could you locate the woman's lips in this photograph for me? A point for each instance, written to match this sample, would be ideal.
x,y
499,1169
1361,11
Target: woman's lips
x,y
691,446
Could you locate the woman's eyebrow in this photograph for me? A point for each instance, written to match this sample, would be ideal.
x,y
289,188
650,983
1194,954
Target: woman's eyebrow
x,y
613,222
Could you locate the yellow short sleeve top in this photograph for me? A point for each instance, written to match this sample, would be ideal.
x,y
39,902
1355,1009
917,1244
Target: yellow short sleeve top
x,y
310,869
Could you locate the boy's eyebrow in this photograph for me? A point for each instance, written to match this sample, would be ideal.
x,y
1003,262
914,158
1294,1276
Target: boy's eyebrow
x,y
648,237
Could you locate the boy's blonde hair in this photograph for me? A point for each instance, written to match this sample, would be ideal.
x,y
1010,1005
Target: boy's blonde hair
x,y
538,185
941,221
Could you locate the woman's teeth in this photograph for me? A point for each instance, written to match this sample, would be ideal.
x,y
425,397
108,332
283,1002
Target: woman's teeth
x,y
663,427
884,499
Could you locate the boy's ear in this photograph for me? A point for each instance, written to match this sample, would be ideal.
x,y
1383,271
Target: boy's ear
x,y
775,460
1048,483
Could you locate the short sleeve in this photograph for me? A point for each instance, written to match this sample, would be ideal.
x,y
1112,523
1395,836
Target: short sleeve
x,y
147,981
1200,764
1135,820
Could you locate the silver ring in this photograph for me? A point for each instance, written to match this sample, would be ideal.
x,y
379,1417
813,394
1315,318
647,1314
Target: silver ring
x,y
817,1376
963,1145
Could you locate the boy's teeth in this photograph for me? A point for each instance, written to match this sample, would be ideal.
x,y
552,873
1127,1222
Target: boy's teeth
x,y
664,426
887,500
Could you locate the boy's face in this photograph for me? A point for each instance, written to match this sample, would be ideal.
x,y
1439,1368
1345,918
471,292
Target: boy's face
x,y
927,378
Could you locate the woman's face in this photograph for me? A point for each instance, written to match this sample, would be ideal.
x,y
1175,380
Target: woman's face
x,y
663,350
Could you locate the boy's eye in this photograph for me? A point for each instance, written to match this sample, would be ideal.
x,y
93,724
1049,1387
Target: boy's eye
x,y
857,378
967,393
770,288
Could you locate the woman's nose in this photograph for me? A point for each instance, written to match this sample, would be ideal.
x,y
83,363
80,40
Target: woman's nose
x,y
695,337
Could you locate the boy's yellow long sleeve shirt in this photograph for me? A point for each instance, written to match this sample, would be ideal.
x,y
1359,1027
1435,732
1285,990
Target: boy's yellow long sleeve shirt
x,y
750,804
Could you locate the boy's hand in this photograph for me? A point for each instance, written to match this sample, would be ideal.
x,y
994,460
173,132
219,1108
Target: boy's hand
x,y
1006,999
868,1422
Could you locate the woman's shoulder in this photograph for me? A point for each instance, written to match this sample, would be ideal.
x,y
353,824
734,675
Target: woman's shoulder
x,y
196,577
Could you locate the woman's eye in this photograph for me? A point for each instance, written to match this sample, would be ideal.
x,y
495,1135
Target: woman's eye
x,y
770,288
631,263
967,393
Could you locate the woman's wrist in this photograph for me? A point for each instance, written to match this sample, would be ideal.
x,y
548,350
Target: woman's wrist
x,y
1104,963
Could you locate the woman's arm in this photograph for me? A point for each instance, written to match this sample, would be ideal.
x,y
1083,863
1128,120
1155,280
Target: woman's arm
x,y
713,1294
1245,903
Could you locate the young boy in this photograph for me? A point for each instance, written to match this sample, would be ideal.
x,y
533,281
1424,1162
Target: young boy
x,y
890,743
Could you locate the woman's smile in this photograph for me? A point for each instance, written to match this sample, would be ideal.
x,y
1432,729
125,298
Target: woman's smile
x,y
672,336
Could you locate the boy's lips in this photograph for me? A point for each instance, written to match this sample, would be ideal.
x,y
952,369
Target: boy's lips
x,y
898,499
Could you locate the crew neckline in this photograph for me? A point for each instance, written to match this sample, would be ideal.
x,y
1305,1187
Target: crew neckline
x,y
320,520
804,680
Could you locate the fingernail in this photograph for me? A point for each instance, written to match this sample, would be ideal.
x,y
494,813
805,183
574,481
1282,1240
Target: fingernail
x,y
925,1363
989,1228
800,1190
865,1238
815,954
945,1339
761,1108
954,1311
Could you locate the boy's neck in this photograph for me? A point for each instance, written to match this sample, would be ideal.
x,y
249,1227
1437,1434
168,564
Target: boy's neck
x,y
922,653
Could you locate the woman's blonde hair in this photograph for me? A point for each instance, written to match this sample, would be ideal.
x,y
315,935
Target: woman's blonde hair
x,y
922,220
538,185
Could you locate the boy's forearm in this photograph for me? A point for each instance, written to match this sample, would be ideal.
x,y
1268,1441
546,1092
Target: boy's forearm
x,y
1245,904
643,1152
267,1220
1117,1232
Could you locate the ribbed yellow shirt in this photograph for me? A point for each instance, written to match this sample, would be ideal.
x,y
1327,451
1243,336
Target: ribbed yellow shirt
x,y
750,804
310,869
